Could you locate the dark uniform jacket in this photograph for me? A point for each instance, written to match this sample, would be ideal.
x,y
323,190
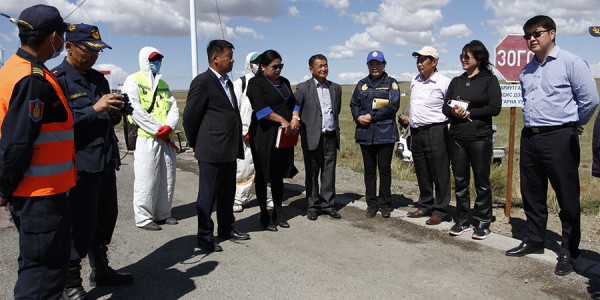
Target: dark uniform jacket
x,y
383,128
95,140
19,130
212,125
596,148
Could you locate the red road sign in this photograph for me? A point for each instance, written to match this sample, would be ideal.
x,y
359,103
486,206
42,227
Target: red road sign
x,y
512,55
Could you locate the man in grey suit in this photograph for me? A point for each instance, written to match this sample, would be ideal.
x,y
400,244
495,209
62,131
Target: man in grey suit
x,y
213,127
320,103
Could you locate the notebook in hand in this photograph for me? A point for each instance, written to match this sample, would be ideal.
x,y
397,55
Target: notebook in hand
x,y
380,102
284,140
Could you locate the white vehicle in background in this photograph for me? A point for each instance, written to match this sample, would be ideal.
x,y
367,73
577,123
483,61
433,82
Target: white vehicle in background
x,y
403,147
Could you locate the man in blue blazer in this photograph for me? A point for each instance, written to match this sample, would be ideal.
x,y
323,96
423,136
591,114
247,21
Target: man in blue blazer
x,y
320,104
213,127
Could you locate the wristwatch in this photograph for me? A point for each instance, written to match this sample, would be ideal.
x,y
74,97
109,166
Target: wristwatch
x,y
297,118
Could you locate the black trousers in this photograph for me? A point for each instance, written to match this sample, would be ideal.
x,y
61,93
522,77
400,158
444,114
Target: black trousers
x,y
475,155
320,164
94,210
216,188
432,167
552,156
378,157
44,225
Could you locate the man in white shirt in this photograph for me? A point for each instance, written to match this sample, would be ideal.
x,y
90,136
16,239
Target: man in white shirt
x,y
429,132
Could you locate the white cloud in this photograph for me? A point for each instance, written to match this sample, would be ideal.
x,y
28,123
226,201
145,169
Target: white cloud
x,y
456,30
293,11
117,74
351,77
340,5
571,17
320,28
358,42
249,31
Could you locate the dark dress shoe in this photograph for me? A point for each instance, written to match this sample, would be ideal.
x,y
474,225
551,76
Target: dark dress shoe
x,y
209,247
235,235
434,220
332,212
564,265
416,214
283,224
312,215
152,226
371,211
524,249
385,212
168,221
265,222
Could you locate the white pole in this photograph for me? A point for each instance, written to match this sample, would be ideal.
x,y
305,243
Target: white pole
x,y
193,38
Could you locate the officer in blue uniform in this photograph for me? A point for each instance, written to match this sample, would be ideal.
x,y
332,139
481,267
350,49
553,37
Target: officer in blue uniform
x,y
93,200
374,104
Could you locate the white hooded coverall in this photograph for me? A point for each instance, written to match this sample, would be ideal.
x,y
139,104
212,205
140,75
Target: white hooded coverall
x,y
154,162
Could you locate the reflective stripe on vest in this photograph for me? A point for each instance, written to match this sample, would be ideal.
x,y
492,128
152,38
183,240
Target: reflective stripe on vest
x,y
52,168
162,105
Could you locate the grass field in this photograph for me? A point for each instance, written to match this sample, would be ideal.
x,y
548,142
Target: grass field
x,y
351,157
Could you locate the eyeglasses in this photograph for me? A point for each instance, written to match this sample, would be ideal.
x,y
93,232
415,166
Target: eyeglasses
x,y
87,50
277,67
465,57
536,34
421,59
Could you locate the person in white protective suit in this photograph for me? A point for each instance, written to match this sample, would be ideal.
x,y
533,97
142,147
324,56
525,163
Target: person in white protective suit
x,y
244,190
157,115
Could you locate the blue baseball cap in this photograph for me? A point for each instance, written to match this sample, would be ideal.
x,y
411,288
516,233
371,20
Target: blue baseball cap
x,y
375,55
41,18
87,34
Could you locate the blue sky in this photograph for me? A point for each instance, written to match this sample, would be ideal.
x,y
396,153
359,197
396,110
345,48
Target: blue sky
x,y
344,30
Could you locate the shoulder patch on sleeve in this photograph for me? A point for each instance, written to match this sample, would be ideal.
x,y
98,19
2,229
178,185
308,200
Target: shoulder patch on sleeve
x,y
36,110
395,86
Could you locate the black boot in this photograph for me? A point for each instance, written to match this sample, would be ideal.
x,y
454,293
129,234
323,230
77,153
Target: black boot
x,y
73,288
102,273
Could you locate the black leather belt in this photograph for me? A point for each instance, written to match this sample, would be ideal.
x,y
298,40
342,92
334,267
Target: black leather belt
x,y
544,129
328,133
415,130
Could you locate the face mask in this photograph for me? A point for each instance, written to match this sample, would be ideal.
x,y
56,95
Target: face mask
x,y
57,52
254,68
155,66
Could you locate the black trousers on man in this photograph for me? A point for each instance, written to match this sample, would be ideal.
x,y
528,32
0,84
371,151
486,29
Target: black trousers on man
x,y
44,225
216,188
94,209
432,166
319,164
553,156
476,155
378,157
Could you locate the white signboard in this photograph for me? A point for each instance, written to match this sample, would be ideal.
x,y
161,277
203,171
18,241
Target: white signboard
x,y
511,95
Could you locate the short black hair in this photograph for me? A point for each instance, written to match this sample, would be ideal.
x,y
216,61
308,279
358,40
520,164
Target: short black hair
x,y
312,59
33,38
216,47
539,21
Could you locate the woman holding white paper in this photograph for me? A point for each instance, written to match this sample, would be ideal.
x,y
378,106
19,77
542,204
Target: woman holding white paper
x,y
374,104
473,98
274,106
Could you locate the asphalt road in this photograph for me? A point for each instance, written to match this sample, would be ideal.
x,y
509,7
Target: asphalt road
x,y
348,258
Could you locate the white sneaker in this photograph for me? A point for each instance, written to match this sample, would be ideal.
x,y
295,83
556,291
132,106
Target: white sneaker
x,y
270,203
238,208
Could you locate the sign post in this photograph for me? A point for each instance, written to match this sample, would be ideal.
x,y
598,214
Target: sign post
x,y
512,54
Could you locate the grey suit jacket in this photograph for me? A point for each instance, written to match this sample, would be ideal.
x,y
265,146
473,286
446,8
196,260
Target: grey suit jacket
x,y
311,115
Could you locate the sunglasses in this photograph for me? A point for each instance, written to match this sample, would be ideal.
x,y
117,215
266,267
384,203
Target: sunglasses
x,y
464,57
277,67
421,59
536,34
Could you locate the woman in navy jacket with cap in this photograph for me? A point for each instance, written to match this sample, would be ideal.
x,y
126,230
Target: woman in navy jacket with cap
x,y
374,104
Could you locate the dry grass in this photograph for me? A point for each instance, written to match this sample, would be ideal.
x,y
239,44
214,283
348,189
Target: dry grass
x,y
351,157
